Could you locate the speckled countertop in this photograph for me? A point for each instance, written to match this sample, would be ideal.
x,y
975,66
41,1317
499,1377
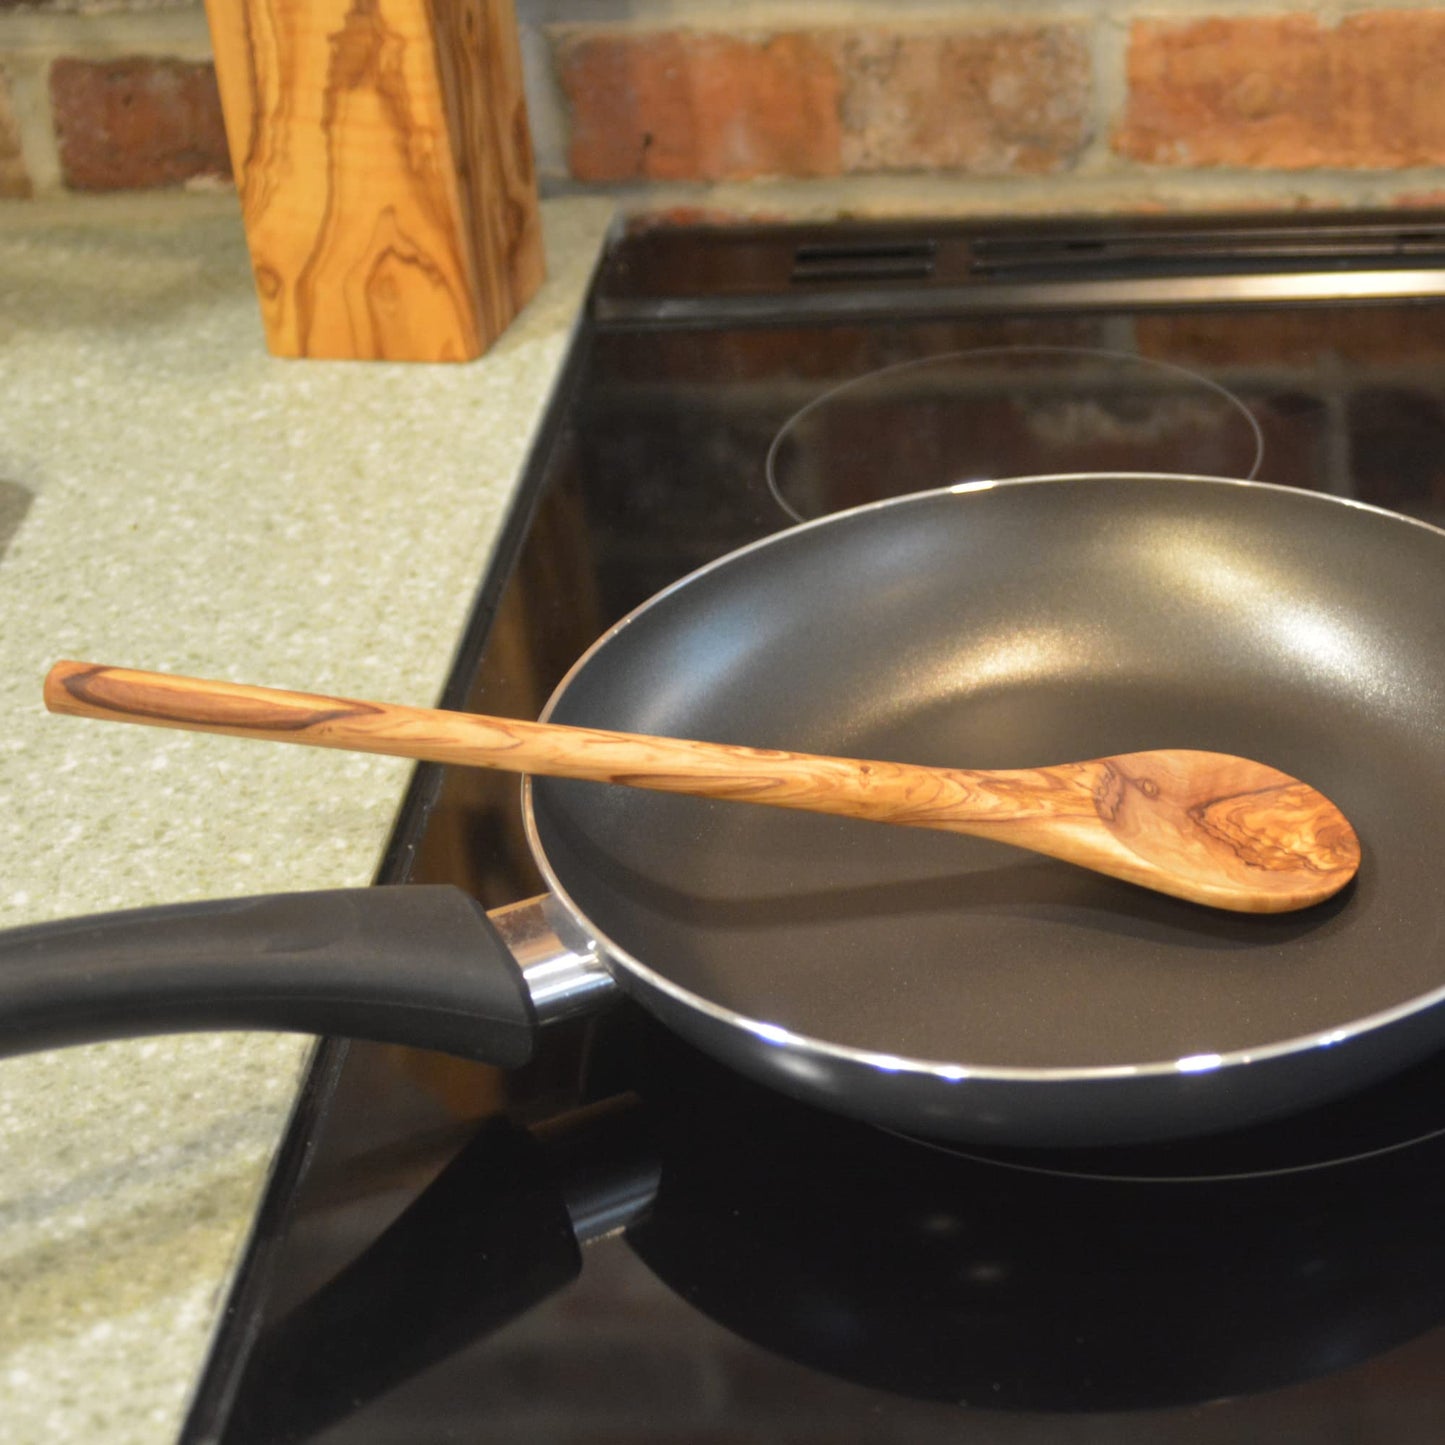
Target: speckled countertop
x,y
173,497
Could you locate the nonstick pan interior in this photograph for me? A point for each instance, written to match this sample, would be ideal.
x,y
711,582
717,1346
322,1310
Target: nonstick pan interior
x,y
1026,623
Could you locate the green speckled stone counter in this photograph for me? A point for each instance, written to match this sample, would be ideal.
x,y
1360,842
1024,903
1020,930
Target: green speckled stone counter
x,y
173,497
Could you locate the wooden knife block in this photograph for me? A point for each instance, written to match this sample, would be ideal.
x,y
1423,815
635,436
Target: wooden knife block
x,y
384,164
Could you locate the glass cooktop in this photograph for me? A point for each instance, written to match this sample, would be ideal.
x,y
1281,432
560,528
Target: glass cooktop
x,y
624,1242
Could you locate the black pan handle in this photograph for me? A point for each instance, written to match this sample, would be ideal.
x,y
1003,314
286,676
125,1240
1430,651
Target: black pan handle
x,y
419,966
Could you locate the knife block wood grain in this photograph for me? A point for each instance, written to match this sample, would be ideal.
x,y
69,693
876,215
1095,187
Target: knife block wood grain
x,y
384,164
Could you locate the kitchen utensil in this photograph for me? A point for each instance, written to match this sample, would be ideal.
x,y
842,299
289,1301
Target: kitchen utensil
x,y
935,984
1207,827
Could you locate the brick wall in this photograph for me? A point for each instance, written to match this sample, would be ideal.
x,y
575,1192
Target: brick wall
x,y
822,107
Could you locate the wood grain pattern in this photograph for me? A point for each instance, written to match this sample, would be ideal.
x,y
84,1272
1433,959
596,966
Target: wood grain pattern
x,y
384,163
1207,827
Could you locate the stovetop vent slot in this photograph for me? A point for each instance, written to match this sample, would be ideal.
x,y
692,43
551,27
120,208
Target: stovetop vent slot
x,y
1153,252
870,261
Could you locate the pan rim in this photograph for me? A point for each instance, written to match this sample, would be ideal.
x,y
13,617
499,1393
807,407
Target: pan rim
x,y
848,1055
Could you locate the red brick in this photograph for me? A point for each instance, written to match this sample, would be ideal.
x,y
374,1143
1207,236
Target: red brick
x,y
137,123
664,217
990,102
1430,200
14,178
675,106
690,106
1285,92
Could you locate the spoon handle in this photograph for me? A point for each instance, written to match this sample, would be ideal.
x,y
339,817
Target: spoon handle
x,y
952,799
1204,826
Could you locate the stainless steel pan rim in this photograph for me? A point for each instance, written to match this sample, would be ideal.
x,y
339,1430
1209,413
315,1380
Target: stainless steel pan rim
x,y
944,1071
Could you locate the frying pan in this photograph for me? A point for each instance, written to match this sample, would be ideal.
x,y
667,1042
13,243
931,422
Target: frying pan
x,y
941,986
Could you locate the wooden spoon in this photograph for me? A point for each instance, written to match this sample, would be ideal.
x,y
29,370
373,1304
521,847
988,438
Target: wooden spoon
x,y
1207,827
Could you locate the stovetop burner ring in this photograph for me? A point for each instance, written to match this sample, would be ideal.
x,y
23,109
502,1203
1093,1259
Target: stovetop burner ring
x,y
993,413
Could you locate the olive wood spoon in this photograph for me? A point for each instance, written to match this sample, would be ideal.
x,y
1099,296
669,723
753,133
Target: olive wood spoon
x,y
1207,827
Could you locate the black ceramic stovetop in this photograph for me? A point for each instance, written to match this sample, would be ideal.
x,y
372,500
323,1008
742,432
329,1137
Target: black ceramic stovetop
x,y
622,1242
